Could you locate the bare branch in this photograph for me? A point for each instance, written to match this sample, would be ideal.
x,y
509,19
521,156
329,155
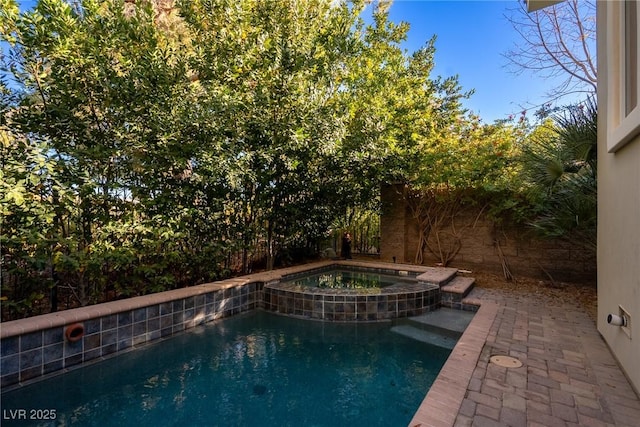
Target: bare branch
x,y
557,41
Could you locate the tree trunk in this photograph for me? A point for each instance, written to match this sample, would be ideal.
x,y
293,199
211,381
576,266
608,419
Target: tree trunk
x,y
270,247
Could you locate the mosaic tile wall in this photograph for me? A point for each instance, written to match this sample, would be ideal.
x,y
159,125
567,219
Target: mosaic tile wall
x,y
31,355
455,302
338,305
27,355
323,304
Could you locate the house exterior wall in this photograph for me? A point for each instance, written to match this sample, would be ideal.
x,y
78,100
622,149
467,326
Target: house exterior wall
x,y
618,220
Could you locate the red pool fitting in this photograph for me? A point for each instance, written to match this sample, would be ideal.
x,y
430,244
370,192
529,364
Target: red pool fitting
x,y
74,332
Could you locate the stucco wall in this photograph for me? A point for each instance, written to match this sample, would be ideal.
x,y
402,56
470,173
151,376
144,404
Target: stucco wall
x,y
484,245
618,230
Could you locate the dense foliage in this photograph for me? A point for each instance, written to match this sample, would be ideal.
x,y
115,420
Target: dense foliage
x,y
144,145
560,168
153,145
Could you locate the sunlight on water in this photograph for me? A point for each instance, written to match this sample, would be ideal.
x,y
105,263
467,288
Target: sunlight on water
x,y
254,369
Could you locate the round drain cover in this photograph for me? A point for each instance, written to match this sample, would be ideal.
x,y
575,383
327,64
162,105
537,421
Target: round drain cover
x,y
506,361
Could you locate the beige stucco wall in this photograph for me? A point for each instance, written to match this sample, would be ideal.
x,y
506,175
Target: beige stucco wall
x,y
618,230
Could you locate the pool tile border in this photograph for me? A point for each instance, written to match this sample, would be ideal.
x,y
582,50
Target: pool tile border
x,y
36,346
28,352
398,300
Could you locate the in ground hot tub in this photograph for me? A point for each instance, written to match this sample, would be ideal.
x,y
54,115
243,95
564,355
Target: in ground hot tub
x,y
345,293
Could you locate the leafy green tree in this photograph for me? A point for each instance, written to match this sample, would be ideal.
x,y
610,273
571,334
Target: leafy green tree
x,y
306,126
34,204
474,167
444,158
107,93
176,134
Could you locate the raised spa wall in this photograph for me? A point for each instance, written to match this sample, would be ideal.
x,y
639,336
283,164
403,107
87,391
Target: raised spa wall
x,y
401,300
42,345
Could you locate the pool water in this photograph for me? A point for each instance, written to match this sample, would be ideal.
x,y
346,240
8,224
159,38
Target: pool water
x,y
346,279
253,369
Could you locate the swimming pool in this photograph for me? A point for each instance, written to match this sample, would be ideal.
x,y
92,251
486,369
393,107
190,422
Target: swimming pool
x,y
252,369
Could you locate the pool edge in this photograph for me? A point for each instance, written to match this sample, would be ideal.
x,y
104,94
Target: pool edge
x,y
442,403
37,345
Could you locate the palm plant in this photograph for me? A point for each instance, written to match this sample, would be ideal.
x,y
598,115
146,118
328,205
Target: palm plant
x,y
561,165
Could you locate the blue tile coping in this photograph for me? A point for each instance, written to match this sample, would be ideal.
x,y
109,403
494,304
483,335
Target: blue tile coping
x,y
37,346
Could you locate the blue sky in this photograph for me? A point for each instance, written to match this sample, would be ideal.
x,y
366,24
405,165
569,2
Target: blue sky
x,y
472,37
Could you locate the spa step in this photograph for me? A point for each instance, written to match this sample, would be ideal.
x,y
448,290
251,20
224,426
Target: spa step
x,y
445,318
437,275
452,294
426,336
460,285
474,298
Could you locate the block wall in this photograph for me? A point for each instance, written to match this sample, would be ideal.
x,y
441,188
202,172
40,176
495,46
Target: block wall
x,y
483,245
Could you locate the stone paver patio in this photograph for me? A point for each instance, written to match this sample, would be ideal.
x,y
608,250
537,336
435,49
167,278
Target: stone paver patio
x,y
568,377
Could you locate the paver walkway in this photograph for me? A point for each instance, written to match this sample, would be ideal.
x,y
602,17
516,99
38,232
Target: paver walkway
x,y
568,378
